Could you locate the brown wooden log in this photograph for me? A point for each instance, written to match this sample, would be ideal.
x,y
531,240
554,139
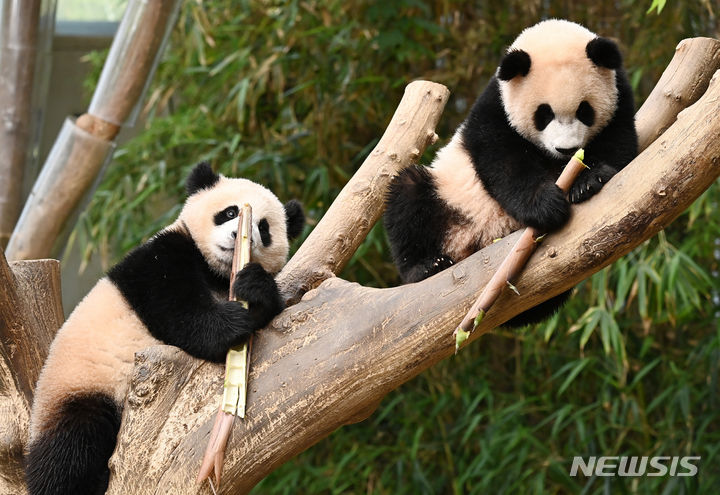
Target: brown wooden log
x,y
360,203
30,314
132,59
18,50
68,175
682,83
330,359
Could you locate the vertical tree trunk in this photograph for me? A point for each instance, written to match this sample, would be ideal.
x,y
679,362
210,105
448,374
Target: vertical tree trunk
x,y
30,314
17,59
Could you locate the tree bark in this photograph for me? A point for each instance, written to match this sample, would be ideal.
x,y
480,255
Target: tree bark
x,y
684,81
330,359
30,314
360,203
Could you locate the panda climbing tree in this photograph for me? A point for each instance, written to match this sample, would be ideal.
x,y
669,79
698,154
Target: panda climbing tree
x,y
293,400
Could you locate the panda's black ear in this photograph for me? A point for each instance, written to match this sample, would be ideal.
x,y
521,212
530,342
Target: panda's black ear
x,y
201,177
295,218
516,62
604,53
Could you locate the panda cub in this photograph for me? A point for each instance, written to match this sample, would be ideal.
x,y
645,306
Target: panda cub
x,y
173,290
559,87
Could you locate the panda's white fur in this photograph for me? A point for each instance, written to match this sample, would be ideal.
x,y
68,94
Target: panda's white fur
x,y
173,290
92,353
482,219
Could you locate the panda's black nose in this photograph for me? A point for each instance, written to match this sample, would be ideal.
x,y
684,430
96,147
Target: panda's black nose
x,y
566,151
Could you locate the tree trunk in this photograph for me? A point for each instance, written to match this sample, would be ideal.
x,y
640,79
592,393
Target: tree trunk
x,y
30,314
18,49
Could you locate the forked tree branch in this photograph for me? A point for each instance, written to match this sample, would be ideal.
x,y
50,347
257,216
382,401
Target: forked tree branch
x,y
330,359
360,203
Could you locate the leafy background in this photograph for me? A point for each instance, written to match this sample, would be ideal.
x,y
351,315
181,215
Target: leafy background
x,y
295,94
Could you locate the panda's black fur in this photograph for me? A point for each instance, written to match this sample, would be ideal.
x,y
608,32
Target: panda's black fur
x,y
516,175
177,306
164,291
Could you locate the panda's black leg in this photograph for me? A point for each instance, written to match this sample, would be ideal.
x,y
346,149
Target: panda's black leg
x,y
71,456
540,312
256,286
415,221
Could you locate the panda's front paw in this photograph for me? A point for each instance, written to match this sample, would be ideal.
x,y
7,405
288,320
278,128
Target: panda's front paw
x,y
589,182
437,265
426,269
550,211
255,285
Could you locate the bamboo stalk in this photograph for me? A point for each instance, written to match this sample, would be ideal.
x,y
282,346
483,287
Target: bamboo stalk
x,y
18,52
237,368
513,264
67,180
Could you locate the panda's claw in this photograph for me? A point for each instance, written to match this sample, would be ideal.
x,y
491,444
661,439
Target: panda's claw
x,y
589,183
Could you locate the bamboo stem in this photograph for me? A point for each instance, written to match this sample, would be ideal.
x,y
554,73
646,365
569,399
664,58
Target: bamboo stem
x,y
234,397
513,264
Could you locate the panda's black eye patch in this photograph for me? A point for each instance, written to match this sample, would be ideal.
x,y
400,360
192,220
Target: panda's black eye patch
x,y
264,228
543,116
585,114
228,213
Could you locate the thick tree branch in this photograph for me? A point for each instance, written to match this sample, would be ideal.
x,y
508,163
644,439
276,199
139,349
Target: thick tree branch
x,y
330,359
682,83
360,204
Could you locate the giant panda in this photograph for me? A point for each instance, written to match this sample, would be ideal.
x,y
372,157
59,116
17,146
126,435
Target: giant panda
x,y
173,290
558,88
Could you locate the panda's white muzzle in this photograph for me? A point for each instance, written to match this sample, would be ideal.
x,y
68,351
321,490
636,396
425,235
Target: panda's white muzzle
x,y
563,139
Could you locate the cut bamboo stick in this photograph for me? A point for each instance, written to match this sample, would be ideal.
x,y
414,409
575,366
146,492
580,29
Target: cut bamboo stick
x,y
513,264
236,367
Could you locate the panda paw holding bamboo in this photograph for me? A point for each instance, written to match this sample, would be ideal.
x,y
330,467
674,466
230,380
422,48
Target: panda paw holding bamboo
x,y
559,87
170,290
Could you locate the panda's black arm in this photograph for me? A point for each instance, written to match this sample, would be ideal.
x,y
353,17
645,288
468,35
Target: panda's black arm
x,y
613,148
528,193
617,144
514,172
518,177
169,286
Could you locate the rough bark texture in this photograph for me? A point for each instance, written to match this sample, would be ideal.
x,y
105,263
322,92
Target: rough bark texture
x,y
330,359
359,205
30,314
683,82
17,53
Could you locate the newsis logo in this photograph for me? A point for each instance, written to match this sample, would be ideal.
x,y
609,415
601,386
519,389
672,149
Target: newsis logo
x,y
635,466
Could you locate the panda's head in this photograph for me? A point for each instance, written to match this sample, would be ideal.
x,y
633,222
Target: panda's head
x,y
210,215
557,84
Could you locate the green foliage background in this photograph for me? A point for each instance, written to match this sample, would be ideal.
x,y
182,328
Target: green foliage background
x,y
295,94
